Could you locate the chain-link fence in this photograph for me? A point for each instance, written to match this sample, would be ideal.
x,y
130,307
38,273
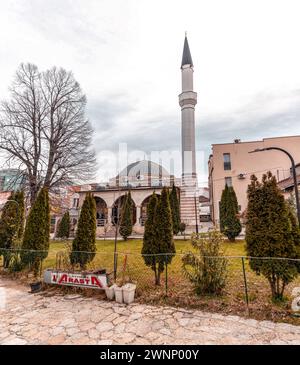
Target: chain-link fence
x,y
241,289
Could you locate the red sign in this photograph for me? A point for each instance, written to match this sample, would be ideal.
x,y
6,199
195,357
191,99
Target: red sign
x,y
88,280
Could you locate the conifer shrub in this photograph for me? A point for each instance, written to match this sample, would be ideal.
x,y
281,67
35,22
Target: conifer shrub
x,y
272,232
84,243
35,243
64,226
175,209
230,224
9,225
20,199
126,222
149,248
182,228
158,237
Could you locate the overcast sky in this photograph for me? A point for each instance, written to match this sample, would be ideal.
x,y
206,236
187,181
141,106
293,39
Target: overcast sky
x,y
126,55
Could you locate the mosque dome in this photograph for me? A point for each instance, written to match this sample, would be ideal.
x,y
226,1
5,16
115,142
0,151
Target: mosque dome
x,y
144,168
142,173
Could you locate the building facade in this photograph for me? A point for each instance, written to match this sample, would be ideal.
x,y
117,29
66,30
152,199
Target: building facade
x,y
145,177
232,164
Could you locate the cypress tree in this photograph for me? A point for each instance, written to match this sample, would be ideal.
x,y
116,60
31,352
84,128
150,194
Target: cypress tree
x,y
8,228
64,226
230,224
174,203
126,217
271,231
163,234
84,243
35,243
150,245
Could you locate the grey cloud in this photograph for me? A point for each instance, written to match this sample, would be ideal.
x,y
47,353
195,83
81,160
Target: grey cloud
x,y
105,113
251,122
63,22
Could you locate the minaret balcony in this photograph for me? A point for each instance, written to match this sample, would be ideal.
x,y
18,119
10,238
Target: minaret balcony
x,y
188,98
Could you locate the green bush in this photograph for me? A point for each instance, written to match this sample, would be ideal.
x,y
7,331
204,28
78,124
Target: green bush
x,y
206,269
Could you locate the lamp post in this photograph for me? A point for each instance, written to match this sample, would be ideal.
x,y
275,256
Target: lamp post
x,y
293,171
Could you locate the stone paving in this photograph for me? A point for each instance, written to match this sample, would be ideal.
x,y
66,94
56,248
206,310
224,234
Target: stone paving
x,y
72,319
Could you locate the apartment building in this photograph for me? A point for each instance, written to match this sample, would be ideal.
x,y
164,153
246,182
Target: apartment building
x,y
232,164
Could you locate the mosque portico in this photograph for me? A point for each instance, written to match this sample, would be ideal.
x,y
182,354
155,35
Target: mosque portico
x,y
109,202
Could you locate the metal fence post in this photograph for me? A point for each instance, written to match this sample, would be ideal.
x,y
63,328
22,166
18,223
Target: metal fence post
x,y
245,285
115,265
166,279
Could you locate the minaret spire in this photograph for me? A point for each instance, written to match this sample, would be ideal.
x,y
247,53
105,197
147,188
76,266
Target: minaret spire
x,y
186,54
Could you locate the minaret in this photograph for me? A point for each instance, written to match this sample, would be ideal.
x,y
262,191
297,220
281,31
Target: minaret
x,y
189,202
187,101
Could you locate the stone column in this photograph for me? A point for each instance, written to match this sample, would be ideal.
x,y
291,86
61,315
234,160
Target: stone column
x,y
138,215
109,212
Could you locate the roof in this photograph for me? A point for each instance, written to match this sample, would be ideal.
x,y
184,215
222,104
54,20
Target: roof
x,y
255,141
288,183
186,55
144,167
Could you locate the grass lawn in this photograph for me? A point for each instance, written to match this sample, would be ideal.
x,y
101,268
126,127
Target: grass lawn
x,y
132,249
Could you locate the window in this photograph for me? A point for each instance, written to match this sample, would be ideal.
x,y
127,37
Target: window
x,y
228,181
75,202
227,161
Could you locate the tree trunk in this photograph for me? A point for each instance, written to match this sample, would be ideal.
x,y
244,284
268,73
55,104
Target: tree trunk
x,y
6,260
273,287
158,278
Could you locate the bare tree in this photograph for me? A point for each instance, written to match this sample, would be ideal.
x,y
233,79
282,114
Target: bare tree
x,y
43,129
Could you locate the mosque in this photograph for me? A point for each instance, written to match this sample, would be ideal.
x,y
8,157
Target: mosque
x,y
144,177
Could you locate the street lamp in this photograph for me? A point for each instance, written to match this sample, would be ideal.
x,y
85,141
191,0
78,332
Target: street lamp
x,y
293,171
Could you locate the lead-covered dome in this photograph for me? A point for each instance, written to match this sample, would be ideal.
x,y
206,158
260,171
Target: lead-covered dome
x,y
142,173
144,168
